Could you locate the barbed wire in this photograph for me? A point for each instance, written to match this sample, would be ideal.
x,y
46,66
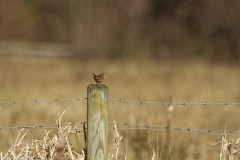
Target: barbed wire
x,y
175,103
156,127
49,126
43,100
128,126
121,101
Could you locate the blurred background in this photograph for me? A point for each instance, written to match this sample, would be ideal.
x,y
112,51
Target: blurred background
x,y
120,29
151,50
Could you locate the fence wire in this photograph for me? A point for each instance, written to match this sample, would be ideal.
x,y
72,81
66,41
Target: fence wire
x,y
122,101
43,100
48,126
128,126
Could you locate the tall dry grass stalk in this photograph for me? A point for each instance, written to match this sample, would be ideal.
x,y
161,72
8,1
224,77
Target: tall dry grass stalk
x,y
228,150
169,118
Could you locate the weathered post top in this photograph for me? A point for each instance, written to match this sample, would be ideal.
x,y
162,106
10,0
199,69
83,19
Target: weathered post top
x,y
97,86
97,122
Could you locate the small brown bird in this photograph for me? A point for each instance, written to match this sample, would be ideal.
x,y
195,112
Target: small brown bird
x,y
99,78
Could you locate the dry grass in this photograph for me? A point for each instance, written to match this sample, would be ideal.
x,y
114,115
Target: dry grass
x,y
228,150
48,78
55,147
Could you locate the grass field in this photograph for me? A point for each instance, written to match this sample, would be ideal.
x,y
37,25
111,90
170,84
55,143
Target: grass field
x,y
28,78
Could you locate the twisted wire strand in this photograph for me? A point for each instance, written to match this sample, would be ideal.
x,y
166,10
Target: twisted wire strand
x,y
174,103
122,101
129,126
43,100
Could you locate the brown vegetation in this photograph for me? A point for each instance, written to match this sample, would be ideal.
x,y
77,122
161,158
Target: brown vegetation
x,y
28,78
150,50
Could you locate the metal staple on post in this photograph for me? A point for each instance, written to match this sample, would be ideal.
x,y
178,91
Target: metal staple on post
x,y
97,122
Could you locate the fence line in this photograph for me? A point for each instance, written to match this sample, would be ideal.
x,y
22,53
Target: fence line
x,y
43,100
122,101
175,103
40,126
129,126
125,126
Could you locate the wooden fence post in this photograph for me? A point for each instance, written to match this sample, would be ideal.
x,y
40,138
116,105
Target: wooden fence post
x,y
97,122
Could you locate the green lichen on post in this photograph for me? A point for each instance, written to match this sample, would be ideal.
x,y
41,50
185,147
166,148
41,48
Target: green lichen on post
x,y
97,115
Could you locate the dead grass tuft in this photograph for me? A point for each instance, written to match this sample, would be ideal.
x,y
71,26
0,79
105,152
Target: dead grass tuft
x,y
56,147
228,150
